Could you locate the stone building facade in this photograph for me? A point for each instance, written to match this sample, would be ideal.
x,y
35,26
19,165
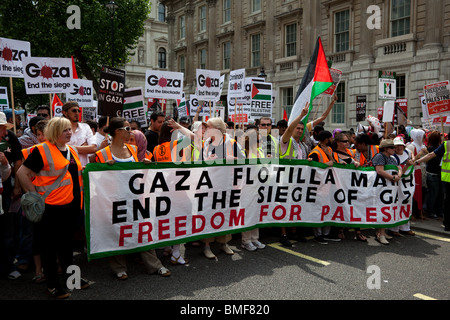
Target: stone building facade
x,y
408,37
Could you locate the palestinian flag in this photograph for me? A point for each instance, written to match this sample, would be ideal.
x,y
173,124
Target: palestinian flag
x,y
261,91
133,99
3,97
317,79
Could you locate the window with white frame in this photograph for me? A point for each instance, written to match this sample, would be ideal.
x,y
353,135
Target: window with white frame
x,y
202,58
291,40
202,19
227,55
256,50
338,111
342,31
400,17
226,11
182,27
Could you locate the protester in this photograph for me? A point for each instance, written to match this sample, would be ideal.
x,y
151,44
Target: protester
x,y
324,154
442,151
219,146
10,220
250,239
29,137
269,143
152,134
49,161
417,149
365,150
435,186
44,112
380,160
82,137
121,152
138,139
401,156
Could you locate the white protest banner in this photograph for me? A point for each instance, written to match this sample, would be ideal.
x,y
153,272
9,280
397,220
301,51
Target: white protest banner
x,y
47,75
423,103
437,98
182,107
163,84
244,103
336,75
89,113
387,85
236,84
133,207
82,92
4,101
195,102
388,111
134,107
208,85
11,54
261,100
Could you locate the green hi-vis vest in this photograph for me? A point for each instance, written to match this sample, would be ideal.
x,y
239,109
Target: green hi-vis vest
x,y
445,170
290,152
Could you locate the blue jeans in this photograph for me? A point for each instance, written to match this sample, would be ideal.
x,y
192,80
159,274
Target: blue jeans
x,y
435,194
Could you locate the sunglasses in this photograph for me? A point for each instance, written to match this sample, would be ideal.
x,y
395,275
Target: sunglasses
x,y
344,141
75,110
42,115
265,124
125,128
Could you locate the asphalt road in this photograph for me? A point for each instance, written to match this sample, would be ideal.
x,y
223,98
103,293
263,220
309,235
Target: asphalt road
x,y
410,268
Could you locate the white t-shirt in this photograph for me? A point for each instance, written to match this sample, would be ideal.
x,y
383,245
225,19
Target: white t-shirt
x,y
81,135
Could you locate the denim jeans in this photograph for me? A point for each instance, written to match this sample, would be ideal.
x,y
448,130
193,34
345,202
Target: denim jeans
x,y
435,194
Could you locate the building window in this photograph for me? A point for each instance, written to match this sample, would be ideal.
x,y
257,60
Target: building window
x,y
400,17
342,31
182,27
162,12
182,64
202,18
256,50
256,5
162,62
338,114
291,40
287,99
226,11
202,61
401,87
227,55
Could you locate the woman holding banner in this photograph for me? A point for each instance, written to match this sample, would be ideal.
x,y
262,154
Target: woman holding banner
x,y
121,152
138,139
56,170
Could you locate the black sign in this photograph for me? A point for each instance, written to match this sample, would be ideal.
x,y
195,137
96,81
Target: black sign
x,y
361,102
111,91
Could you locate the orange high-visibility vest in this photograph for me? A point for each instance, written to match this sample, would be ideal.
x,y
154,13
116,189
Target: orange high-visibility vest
x,y
323,158
54,165
373,150
105,154
163,152
26,152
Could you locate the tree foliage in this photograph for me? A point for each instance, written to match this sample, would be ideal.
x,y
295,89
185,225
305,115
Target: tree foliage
x,y
44,24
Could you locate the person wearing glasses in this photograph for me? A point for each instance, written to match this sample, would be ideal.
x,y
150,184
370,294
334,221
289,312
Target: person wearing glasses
x,y
82,138
120,151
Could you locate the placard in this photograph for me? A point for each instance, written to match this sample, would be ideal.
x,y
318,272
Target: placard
x,y
163,84
208,85
12,53
437,98
111,91
82,92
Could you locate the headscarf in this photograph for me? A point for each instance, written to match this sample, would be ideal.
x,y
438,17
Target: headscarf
x,y
417,137
141,143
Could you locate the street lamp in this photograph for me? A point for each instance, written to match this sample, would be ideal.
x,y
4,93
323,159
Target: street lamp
x,y
112,6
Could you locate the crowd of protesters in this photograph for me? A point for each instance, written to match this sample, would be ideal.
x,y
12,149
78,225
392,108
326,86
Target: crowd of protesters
x,y
60,148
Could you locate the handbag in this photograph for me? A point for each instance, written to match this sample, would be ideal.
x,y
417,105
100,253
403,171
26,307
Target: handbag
x,y
33,203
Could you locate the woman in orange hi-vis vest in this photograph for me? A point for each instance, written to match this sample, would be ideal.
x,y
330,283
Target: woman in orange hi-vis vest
x,y
120,151
49,162
138,139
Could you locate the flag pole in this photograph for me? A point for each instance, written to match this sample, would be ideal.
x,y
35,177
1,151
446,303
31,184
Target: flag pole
x,y
51,105
12,104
